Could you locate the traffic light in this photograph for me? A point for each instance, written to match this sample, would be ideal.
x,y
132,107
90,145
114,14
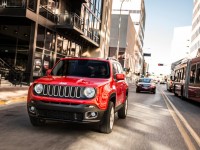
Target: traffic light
x,y
160,64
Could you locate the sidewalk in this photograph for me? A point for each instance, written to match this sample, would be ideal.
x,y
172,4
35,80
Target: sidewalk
x,y
13,94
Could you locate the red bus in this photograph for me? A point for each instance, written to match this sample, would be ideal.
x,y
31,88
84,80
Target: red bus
x,y
187,79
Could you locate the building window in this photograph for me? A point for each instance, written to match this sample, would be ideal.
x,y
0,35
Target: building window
x,y
40,36
50,40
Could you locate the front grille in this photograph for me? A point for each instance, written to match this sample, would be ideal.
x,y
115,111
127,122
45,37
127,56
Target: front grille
x,y
60,115
61,91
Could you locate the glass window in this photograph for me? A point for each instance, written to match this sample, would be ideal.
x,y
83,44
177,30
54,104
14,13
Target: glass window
x,y
65,44
59,44
114,70
50,40
192,73
15,3
32,5
120,70
198,74
82,68
37,66
145,80
40,36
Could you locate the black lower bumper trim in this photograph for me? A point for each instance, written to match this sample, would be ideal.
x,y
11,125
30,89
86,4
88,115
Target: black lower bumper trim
x,y
61,112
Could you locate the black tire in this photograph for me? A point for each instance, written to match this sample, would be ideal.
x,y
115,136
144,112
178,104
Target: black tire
x,y
122,113
175,91
182,97
154,92
36,121
107,121
137,91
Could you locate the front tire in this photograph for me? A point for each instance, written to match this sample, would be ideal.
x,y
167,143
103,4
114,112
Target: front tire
x,y
122,113
107,122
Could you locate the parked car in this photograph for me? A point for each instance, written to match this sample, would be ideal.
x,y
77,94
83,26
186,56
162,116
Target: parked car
x,y
83,90
146,85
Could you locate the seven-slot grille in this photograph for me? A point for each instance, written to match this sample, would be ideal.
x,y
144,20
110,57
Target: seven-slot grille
x,y
61,91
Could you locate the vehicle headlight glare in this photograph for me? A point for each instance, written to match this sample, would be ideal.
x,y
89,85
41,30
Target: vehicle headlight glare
x,y
38,88
89,92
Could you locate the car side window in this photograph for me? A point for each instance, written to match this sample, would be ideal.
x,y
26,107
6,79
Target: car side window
x,y
120,70
114,70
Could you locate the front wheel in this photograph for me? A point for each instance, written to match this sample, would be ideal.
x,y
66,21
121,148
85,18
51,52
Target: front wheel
x,y
122,113
107,122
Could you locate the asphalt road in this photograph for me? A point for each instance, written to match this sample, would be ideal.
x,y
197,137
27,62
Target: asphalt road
x,y
148,126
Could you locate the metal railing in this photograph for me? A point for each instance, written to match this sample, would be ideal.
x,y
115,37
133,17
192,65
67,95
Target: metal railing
x,y
16,77
31,4
48,14
70,19
13,3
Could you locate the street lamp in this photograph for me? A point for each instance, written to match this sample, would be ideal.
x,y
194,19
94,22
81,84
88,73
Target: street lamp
x,y
118,40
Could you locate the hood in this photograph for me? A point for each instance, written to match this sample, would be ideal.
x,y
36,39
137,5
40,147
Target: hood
x,y
72,81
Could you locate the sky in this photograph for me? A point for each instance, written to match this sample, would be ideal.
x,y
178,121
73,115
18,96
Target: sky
x,y
161,18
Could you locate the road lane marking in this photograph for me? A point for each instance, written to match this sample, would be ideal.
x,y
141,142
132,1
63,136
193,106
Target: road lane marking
x,y
189,128
173,111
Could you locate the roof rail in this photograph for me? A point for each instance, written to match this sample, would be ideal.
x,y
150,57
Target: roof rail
x,y
111,58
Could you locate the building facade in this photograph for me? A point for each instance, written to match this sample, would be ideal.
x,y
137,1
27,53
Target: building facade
x,y
195,37
136,10
128,38
180,45
36,34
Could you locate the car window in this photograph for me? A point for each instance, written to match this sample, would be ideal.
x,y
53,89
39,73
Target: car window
x,y
145,80
82,68
120,70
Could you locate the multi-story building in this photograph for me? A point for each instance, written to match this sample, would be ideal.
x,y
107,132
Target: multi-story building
x,y
36,34
136,10
195,39
180,46
128,40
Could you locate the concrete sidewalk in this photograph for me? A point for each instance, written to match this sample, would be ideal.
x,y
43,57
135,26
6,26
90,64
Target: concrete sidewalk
x,y
13,94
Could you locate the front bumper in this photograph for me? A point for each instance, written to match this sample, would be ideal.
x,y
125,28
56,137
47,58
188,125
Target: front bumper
x,y
81,113
150,89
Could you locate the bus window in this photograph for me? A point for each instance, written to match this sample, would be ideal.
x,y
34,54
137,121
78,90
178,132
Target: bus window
x,y
192,74
198,74
184,72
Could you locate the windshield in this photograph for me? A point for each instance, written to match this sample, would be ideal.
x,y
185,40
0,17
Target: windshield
x,y
145,80
82,68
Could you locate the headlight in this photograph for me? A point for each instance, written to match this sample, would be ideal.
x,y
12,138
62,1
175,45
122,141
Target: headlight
x,y
89,92
38,88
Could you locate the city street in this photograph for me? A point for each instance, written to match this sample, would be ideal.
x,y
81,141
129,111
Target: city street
x,y
153,123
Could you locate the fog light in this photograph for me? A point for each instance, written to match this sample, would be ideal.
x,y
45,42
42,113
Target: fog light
x,y
91,115
32,109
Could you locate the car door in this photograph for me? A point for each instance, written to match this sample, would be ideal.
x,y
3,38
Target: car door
x,y
118,85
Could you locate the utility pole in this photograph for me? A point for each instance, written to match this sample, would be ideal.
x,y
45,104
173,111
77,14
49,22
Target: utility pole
x,y
118,40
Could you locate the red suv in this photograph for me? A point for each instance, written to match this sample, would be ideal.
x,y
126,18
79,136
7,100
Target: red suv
x,y
84,90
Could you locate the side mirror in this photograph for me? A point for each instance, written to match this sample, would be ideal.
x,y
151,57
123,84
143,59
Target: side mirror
x,y
120,76
48,72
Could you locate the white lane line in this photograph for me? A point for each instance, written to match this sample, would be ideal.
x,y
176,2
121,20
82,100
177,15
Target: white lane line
x,y
185,123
